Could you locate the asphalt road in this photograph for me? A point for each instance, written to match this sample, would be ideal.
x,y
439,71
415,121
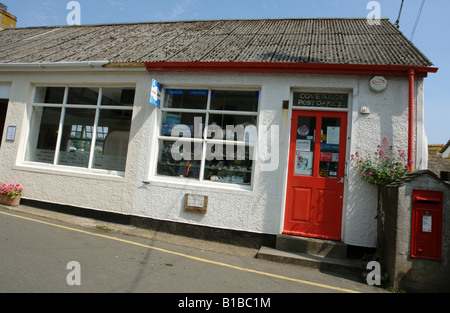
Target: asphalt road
x,y
39,254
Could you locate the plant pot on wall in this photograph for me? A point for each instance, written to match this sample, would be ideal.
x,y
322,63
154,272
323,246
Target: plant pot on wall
x,y
6,200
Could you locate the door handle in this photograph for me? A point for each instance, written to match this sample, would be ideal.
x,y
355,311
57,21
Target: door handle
x,y
341,181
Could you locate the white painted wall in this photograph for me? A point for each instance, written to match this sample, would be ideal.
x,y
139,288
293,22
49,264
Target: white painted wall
x,y
260,210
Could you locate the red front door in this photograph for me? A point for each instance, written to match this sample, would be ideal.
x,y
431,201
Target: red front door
x,y
315,186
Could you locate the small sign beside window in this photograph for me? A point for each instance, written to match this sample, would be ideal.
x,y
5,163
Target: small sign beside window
x,y
11,133
155,94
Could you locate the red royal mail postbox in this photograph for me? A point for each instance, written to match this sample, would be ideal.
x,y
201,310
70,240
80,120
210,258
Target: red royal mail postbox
x,y
426,236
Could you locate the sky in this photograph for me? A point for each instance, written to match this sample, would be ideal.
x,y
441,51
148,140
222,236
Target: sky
x,y
431,34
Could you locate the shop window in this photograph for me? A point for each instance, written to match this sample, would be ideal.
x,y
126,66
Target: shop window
x,y
81,127
204,135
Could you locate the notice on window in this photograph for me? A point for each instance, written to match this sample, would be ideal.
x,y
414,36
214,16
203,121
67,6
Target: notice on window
x,y
427,224
333,135
304,163
303,145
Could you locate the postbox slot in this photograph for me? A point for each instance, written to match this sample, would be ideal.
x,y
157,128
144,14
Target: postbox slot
x,y
426,200
429,202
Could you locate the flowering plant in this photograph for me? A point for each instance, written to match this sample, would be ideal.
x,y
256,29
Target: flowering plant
x,y
11,190
384,166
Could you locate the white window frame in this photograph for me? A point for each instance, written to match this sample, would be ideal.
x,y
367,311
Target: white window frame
x,y
97,107
201,182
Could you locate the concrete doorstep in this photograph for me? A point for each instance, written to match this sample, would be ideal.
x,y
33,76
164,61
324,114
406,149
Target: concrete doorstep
x,y
324,255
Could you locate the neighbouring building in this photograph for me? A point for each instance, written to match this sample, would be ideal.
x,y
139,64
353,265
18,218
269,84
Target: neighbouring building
x,y
81,128
439,159
6,18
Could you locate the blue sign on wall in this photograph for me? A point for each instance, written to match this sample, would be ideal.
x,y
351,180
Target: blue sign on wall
x,y
155,94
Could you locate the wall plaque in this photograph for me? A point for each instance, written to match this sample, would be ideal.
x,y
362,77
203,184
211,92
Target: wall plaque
x,y
196,203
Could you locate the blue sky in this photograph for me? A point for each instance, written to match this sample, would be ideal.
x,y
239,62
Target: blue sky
x,y
431,35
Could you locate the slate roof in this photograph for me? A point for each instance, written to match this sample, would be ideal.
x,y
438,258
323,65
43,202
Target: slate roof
x,y
412,176
332,41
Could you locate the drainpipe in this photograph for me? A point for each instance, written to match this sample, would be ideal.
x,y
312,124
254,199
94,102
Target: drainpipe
x,y
411,120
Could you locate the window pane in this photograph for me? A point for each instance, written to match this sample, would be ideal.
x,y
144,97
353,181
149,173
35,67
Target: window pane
x,y
76,145
113,134
194,121
229,163
83,96
53,95
118,96
234,100
184,161
43,135
306,128
229,124
329,151
186,99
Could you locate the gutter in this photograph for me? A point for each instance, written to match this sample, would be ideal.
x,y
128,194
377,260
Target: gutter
x,y
55,65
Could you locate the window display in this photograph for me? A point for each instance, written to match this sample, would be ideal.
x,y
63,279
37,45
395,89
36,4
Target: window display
x,y
204,135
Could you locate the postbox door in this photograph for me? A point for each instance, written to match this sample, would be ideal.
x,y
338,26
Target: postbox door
x,y
427,225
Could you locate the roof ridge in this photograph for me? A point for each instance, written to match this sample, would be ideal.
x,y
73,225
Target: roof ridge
x,y
195,21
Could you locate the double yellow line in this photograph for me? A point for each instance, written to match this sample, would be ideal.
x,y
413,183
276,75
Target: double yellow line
x,y
295,280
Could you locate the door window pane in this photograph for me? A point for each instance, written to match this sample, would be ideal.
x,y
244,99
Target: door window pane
x,y
76,145
43,135
113,135
304,150
329,147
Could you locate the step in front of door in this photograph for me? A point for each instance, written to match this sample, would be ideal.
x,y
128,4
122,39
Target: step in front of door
x,y
325,264
319,247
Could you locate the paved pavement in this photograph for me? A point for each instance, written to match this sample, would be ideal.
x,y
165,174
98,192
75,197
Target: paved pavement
x,y
47,252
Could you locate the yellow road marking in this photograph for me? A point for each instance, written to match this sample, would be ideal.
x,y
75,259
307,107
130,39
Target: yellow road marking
x,y
188,256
